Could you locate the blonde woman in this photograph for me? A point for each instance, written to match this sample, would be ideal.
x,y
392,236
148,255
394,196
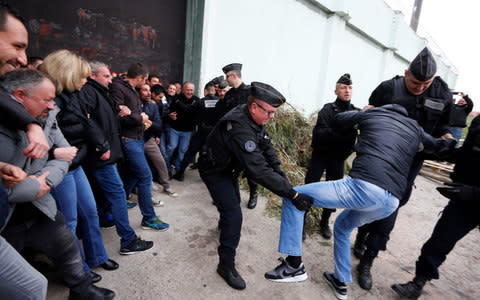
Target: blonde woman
x,y
74,195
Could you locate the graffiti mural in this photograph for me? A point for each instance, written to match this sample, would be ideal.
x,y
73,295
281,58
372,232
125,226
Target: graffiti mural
x,y
118,36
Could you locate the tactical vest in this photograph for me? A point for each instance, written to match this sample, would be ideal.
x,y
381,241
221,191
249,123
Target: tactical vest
x,y
426,109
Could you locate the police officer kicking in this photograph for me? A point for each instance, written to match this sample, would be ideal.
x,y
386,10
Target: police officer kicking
x,y
239,142
428,100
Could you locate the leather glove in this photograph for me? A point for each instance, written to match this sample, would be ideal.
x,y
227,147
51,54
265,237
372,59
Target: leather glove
x,y
457,191
302,201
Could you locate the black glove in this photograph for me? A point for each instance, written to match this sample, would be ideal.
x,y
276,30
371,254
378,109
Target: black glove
x,y
302,201
457,191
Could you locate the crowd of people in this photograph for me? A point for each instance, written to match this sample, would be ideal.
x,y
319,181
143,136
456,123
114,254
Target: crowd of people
x,y
77,142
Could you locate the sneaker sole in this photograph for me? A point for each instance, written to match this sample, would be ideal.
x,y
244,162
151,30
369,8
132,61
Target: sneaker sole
x,y
339,296
298,278
159,230
134,252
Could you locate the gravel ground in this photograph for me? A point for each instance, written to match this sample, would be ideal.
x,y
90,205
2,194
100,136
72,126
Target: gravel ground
x,y
182,264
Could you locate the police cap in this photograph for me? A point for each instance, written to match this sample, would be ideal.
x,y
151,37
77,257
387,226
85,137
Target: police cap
x,y
232,67
217,80
423,66
266,93
345,79
223,84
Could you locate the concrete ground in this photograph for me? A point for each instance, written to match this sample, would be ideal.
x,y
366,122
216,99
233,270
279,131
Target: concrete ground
x,y
182,264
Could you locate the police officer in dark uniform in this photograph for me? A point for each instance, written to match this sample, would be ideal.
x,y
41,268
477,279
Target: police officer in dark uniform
x,y
428,100
237,95
205,119
331,146
460,216
239,142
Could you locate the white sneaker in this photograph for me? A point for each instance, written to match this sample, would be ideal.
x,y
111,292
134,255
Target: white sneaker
x,y
157,202
170,192
154,187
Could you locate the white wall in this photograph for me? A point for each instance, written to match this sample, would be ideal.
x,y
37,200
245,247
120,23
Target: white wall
x,y
301,47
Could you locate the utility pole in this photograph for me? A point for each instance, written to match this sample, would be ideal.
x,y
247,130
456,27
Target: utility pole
x,y
417,8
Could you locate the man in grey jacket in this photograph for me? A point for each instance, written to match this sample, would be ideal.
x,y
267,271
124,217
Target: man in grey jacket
x,y
34,220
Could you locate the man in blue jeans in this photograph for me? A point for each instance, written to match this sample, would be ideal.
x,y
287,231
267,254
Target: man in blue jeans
x,y
387,143
132,127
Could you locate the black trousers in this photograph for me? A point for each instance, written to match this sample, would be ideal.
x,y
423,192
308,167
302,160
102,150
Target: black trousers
x,y
378,232
320,163
225,193
458,219
56,241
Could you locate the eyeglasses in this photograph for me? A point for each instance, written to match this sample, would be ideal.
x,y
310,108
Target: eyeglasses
x,y
270,113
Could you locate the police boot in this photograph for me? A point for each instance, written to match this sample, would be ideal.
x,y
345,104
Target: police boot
x,y
252,202
412,289
324,228
359,246
363,268
231,276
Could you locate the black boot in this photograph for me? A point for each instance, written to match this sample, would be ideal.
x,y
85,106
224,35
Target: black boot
x,y
179,175
252,202
363,268
359,246
231,276
324,228
93,293
412,289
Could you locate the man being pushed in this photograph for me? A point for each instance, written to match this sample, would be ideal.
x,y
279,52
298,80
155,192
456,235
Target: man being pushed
x,y
386,146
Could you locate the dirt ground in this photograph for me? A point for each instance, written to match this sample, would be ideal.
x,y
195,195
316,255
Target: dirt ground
x,y
182,264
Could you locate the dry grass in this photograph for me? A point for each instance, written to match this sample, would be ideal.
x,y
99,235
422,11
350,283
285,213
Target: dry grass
x,y
291,136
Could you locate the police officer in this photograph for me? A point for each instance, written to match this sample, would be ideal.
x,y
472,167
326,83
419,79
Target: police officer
x,y
331,146
239,142
428,100
460,216
205,119
237,95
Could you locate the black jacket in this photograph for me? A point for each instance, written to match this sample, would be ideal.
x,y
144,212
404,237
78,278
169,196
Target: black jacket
x,y
206,112
237,144
431,109
122,93
105,119
458,117
331,141
186,109
233,98
386,146
75,124
467,158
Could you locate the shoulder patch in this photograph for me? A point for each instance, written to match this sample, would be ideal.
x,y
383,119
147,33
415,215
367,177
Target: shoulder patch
x,y
250,146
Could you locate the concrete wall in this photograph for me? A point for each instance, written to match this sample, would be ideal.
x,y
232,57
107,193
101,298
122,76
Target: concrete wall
x,y
302,47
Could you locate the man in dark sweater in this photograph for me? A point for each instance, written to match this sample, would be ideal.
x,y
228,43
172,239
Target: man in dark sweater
x,y
386,147
458,116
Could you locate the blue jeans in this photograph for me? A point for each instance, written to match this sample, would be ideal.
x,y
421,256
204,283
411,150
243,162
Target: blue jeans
x,y
457,134
138,174
363,202
180,139
109,181
164,139
74,199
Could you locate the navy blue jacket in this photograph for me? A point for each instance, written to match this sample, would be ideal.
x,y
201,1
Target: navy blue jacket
x,y
155,130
